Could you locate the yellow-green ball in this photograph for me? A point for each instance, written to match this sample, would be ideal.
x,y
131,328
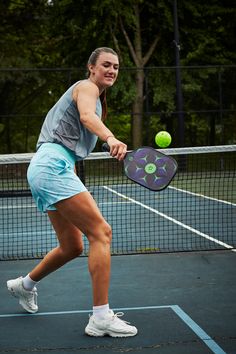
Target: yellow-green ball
x,y
163,139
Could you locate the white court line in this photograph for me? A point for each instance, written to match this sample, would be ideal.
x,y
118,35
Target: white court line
x,y
207,340
26,234
114,203
199,233
23,206
34,205
202,196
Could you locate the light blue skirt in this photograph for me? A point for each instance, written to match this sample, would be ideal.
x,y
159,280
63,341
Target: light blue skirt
x,y
52,177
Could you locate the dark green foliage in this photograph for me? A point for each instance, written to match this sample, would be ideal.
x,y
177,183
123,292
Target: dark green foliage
x,y
62,33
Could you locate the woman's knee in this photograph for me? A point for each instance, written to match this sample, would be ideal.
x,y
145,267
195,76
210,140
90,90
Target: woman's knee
x,y
72,250
107,232
76,251
101,233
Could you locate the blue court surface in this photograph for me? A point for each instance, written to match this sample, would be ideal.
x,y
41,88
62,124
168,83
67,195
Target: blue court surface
x,y
170,221
181,303
173,271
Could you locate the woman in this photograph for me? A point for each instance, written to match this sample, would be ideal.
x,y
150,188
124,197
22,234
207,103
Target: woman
x,y
69,133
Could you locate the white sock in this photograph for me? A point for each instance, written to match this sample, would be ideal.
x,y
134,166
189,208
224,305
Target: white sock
x,y
28,283
100,311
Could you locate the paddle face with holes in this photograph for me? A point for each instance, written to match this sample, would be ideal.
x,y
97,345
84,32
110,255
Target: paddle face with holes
x,y
150,168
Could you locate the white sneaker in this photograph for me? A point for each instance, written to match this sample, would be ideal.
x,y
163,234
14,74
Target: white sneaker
x,y
111,325
27,298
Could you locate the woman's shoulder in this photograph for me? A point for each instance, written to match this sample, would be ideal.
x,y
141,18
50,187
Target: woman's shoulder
x,y
87,87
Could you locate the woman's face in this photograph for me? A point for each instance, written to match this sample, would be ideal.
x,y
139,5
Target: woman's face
x,y
105,71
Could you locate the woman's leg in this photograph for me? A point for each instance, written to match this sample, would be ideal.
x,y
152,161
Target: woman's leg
x,y
70,247
74,214
80,212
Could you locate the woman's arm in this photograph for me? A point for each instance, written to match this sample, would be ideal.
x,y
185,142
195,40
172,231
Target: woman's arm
x,y
86,94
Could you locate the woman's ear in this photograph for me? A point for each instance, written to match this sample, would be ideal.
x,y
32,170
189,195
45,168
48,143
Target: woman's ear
x,y
90,68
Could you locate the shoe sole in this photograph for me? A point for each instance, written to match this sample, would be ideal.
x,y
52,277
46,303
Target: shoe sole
x,y
97,333
12,292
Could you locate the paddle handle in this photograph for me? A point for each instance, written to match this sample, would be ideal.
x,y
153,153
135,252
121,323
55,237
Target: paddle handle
x,y
105,147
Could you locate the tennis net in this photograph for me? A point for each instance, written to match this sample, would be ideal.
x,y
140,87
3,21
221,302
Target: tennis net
x,y
196,212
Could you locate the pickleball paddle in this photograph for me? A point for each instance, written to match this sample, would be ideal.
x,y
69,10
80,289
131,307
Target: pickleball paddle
x,y
148,167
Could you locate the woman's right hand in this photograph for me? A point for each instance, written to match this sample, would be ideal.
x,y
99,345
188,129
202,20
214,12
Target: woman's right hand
x,y
117,148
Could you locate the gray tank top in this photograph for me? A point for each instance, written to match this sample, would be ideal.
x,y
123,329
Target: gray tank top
x,y
62,126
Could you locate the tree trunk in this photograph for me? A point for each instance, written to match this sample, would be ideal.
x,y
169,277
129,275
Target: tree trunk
x,y
137,111
140,61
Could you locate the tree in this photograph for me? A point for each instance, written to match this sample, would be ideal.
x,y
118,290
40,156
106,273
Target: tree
x,y
140,59
138,23
61,33
20,21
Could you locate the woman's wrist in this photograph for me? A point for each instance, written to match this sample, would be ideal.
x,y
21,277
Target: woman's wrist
x,y
109,136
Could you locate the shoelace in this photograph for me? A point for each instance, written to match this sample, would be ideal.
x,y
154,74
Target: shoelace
x,y
120,314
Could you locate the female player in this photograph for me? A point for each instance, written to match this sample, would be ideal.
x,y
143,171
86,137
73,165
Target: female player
x,y
69,133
